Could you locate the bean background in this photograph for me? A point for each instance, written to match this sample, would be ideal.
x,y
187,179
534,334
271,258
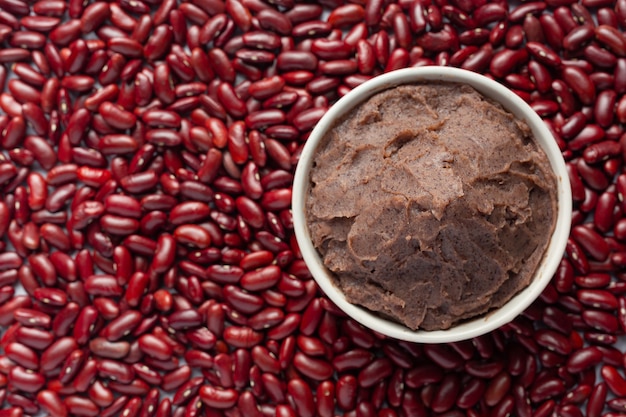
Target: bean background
x,y
147,261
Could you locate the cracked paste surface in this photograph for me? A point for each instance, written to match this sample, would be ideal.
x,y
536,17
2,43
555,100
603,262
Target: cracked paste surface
x,y
431,204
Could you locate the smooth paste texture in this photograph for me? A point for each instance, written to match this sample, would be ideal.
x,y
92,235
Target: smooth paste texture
x,y
431,204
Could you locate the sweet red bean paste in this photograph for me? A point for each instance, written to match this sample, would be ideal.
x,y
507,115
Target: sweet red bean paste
x,y
431,204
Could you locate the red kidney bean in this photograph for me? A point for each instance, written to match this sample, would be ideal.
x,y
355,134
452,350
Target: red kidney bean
x,y
52,403
25,380
607,16
345,392
218,398
265,360
192,235
121,19
374,372
139,182
221,65
163,84
14,132
313,368
331,49
611,38
489,13
94,16
471,393
354,359
296,61
445,358
601,151
35,117
598,249
438,41
600,57
213,27
7,172
182,319
116,117
312,317
242,301
187,390
14,54
577,37
263,118
122,205
43,268
313,28
84,325
514,37
597,299
248,404
518,13
302,397
255,57
32,318
78,123
161,118
155,347
614,381
115,371
231,101
176,378
504,61
56,353
190,89
578,394
270,19
545,389
34,338
52,8
580,83
311,346
447,393
621,110
298,77
250,211
158,42
593,177
136,287
201,65
595,280
104,285
42,151
554,341
123,325
600,320
532,28
261,279
22,355
118,225
365,57
164,254
163,137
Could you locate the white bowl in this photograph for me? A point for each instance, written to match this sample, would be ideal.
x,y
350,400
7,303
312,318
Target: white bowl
x,y
481,324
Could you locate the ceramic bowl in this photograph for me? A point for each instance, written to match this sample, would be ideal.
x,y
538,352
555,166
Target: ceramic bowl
x,y
480,324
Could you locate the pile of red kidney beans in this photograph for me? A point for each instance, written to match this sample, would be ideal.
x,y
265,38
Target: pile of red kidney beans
x,y
148,265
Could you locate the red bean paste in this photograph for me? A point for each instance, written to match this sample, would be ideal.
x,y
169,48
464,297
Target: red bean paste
x,y
431,204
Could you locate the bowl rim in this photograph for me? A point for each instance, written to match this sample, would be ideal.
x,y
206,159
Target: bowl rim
x,y
512,103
